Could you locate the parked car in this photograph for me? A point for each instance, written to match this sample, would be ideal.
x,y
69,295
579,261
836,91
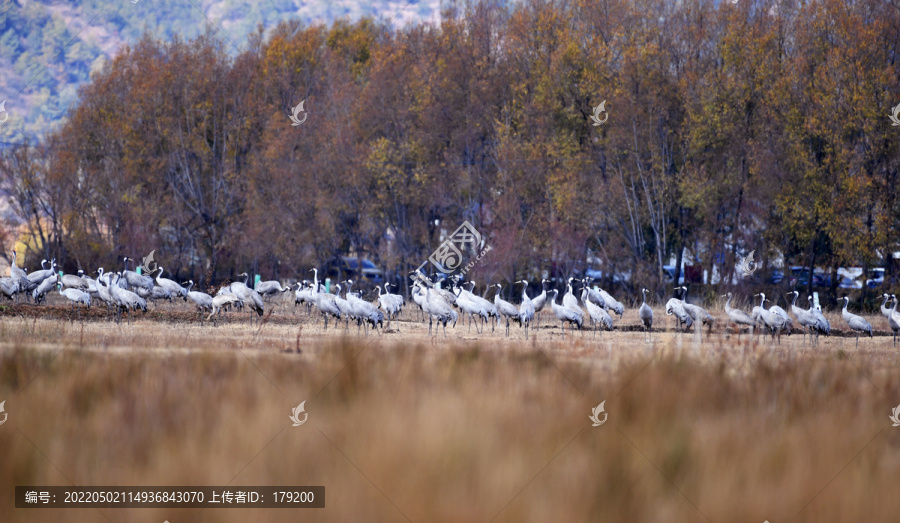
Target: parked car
x,y
669,274
800,275
876,277
370,273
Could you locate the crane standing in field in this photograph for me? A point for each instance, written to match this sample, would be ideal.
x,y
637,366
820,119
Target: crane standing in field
x,y
565,314
805,318
202,300
645,313
526,308
856,323
738,316
597,314
505,308
540,300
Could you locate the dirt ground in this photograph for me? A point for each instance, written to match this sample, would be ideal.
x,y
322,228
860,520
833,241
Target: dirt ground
x,y
407,426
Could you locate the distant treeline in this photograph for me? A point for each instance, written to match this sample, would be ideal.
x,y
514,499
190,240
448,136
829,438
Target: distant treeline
x,y
731,127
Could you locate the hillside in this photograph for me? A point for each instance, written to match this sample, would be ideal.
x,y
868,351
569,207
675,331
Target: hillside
x,y
49,48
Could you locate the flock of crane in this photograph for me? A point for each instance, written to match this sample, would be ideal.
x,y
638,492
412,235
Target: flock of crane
x,y
127,291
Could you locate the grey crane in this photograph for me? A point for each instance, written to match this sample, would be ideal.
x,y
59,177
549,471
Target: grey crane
x,y
176,290
488,306
134,280
9,287
75,297
37,277
696,312
565,314
17,274
645,313
270,288
611,303
569,300
366,313
540,300
304,295
788,322
823,326
203,301
392,304
48,284
895,320
505,308
738,316
125,299
805,318
597,314
155,294
774,322
348,311
434,306
70,281
675,307
889,314
219,302
103,292
856,323
466,303
247,296
324,301
526,308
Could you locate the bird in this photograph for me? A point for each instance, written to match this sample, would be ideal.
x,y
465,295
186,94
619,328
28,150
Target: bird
x,y
595,312
773,321
203,301
9,287
71,281
125,299
133,279
696,312
895,320
169,285
738,316
526,308
675,307
645,313
565,314
219,302
48,284
154,294
487,305
856,323
788,322
324,301
17,274
804,317
434,306
822,324
392,304
269,288
103,291
504,307
37,277
367,313
304,295
466,303
348,312
247,296
540,300
569,300
74,296
611,303
889,314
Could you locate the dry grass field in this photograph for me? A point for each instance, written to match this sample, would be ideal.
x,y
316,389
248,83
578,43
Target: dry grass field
x,y
468,428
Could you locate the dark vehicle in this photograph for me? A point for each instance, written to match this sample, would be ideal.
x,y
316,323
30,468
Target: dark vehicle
x,y
800,275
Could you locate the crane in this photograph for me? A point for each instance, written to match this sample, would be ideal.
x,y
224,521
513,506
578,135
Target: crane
x,y
133,279
466,303
565,314
323,301
645,313
76,297
526,308
247,296
48,284
202,300
595,312
169,285
540,300
856,323
270,288
504,307
738,316
696,312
